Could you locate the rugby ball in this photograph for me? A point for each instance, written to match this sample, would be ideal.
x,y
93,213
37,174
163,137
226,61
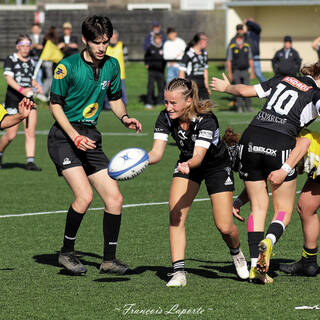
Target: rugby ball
x,y
128,163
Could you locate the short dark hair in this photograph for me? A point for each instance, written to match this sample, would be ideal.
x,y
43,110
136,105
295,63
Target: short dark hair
x,y
239,26
96,26
170,30
157,35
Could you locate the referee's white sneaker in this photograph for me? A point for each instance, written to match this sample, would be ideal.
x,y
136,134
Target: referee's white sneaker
x,y
241,266
178,279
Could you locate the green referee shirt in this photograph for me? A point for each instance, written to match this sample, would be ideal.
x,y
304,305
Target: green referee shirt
x,y
80,87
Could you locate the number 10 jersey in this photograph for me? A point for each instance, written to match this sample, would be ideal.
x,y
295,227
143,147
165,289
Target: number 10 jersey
x,y
292,103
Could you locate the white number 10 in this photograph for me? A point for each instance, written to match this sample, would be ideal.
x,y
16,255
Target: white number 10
x,y
276,102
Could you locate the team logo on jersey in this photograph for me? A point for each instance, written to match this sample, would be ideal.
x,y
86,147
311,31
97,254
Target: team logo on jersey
x,y
182,135
60,72
105,84
90,110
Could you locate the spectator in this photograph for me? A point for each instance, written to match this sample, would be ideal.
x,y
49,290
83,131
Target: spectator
x,y
239,59
49,66
36,48
316,46
173,49
253,37
156,28
194,64
239,30
155,64
119,51
68,42
286,61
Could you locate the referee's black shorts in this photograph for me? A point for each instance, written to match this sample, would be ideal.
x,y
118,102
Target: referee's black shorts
x,y
65,154
263,151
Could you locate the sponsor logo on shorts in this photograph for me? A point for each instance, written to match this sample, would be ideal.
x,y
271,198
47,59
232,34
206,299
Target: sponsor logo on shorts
x,y
243,174
228,182
60,71
262,150
66,161
207,134
228,170
90,110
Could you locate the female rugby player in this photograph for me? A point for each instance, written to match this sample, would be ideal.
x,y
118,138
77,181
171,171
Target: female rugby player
x,y
292,103
203,156
18,72
194,64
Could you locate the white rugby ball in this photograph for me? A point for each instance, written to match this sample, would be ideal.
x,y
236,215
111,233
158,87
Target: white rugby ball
x,y
128,163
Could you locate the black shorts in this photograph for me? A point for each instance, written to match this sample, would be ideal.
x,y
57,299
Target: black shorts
x,y
263,151
217,179
65,154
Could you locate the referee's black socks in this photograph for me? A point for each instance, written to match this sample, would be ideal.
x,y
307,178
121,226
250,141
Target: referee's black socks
x,y
73,222
111,228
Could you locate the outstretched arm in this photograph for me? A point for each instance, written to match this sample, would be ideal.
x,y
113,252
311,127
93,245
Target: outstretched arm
x,y
155,155
223,85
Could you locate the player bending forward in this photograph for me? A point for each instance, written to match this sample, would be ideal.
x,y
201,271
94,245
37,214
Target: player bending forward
x,y
78,90
203,156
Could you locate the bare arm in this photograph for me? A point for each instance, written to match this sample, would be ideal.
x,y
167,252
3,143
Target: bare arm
x,y
277,177
251,64
206,81
229,70
241,200
155,155
181,74
119,109
315,43
196,160
83,143
13,84
236,90
25,106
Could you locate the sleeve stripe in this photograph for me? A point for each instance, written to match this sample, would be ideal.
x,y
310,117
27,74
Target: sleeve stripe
x,y
8,73
160,136
182,68
202,143
260,92
318,106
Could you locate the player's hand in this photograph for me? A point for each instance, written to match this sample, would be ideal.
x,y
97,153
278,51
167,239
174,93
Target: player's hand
x,y
132,123
84,143
209,91
27,92
183,167
24,107
277,177
220,85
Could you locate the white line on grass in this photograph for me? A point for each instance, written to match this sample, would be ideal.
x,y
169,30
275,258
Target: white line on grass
x,y
102,208
45,132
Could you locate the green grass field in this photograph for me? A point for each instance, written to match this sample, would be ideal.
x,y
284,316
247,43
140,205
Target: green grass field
x,y
33,286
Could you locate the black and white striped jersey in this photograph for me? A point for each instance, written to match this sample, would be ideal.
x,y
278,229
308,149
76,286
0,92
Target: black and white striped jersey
x,y
194,64
21,72
203,132
292,103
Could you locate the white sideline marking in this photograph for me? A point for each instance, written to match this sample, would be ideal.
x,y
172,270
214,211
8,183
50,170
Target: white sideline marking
x,y
102,208
45,132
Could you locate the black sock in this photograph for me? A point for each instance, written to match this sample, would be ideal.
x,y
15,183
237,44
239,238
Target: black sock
x,y
111,228
275,231
254,239
178,265
73,222
234,251
309,255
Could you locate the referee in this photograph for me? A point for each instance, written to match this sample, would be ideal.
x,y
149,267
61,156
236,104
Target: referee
x,y
78,90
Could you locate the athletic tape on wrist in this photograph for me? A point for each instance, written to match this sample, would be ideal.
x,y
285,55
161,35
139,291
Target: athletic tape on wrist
x,y
286,167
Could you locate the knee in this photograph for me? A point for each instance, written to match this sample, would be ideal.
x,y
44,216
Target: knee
x,y
225,228
11,136
115,201
83,202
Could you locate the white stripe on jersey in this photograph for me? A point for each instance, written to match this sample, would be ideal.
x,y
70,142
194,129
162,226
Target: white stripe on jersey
x,y
309,112
9,73
202,143
260,92
160,136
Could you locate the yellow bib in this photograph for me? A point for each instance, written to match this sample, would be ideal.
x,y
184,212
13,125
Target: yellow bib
x,y
117,52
